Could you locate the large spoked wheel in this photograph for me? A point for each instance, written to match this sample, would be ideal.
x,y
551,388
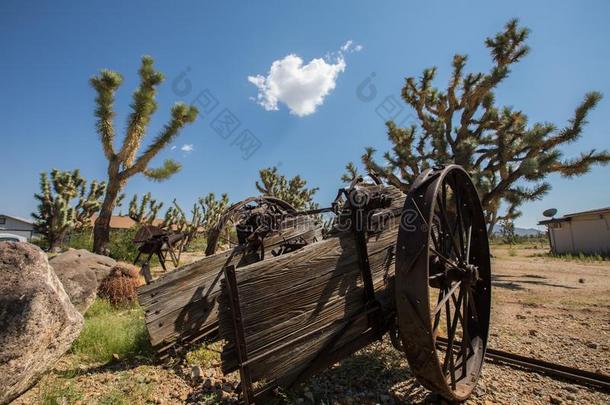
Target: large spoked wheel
x,y
443,282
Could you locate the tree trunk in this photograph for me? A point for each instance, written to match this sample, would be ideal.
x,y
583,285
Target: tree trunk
x,y
55,244
101,229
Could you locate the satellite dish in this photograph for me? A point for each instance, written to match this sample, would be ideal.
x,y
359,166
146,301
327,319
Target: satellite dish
x,y
550,213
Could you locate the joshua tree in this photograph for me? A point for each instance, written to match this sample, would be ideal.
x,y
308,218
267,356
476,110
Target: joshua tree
x,y
507,230
293,191
56,215
146,211
126,162
205,214
507,157
212,209
175,220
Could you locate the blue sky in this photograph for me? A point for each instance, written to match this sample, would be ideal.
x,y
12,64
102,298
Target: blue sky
x,y
48,51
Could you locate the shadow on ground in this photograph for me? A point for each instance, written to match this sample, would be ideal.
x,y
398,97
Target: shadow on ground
x,y
520,282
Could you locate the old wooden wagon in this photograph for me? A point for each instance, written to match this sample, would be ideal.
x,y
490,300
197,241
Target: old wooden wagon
x,y
290,299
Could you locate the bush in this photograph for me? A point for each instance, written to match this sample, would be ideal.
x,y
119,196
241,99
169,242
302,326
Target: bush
x,y
121,244
81,240
120,286
111,332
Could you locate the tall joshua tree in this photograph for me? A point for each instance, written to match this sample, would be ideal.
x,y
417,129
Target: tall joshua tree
x,y
144,211
293,191
126,162
57,215
507,157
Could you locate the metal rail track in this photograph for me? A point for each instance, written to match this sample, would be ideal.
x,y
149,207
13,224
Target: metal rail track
x,y
582,377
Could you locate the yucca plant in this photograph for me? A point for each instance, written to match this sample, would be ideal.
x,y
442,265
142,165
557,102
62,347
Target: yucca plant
x,y
129,160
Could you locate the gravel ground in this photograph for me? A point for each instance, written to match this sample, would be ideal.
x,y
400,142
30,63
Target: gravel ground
x,y
547,308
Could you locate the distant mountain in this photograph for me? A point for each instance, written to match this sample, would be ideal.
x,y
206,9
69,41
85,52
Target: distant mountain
x,y
521,231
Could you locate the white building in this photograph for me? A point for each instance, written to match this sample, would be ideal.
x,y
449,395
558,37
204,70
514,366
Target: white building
x,y
585,232
10,225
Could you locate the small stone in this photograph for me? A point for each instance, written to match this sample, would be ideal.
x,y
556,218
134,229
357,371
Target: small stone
x,y
592,345
533,332
554,400
581,280
196,373
519,316
571,389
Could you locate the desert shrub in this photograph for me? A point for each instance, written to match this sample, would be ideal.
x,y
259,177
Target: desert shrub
x,y
120,286
112,332
121,244
198,243
81,240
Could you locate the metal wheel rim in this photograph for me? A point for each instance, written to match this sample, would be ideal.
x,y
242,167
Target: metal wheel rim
x,y
429,265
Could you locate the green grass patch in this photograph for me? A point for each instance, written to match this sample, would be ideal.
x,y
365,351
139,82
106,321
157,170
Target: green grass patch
x,y
205,356
114,397
111,332
59,394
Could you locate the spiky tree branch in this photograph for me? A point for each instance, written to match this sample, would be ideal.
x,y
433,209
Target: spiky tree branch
x,y
144,211
508,158
293,191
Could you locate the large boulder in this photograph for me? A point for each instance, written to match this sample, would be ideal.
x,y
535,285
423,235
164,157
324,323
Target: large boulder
x,y
38,323
80,259
81,273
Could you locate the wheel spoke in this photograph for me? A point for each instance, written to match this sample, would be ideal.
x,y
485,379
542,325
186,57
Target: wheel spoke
x,y
458,209
444,259
445,299
468,239
449,363
465,336
445,219
437,316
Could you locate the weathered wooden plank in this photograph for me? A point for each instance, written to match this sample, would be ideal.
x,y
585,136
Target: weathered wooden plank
x,y
317,288
181,306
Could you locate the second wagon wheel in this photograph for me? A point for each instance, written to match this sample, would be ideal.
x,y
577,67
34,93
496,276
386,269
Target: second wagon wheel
x,y
443,282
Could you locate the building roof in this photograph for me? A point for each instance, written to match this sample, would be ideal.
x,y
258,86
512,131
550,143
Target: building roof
x,y
27,221
568,217
122,221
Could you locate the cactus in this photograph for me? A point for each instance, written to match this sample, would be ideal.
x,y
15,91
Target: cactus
x,y
293,191
146,211
57,215
205,214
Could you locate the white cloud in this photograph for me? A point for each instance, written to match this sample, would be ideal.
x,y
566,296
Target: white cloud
x,y
301,87
173,147
187,148
350,46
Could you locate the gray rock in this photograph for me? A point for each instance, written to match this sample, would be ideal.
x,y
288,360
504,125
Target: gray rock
x,y
82,258
81,272
38,323
79,282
